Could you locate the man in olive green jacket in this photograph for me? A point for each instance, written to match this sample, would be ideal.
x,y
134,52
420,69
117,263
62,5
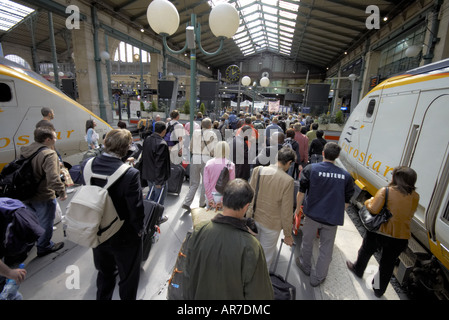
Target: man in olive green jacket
x,y
224,259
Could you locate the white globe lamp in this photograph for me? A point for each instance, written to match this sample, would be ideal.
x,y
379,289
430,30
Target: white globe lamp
x,y
224,20
246,81
163,17
412,51
104,55
264,82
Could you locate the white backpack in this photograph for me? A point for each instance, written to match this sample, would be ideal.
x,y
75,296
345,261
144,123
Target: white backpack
x,y
91,218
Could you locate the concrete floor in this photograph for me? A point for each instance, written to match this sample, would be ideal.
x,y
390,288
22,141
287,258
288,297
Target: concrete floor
x,y
52,277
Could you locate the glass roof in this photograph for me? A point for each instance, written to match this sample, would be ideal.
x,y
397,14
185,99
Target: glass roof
x,y
11,14
265,25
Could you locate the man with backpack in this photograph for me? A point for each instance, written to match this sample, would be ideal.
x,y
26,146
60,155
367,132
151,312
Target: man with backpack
x,y
122,253
47,172
174,137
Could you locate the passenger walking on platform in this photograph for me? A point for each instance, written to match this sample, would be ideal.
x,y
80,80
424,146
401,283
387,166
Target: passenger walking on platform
x,y
224,259
291,142
316,147
47,171
213,169
91,135
303,142
48,115
202,149
267,155
326,191
243,152
122,253
392,237
272,207
272,128
311,134
156,162
177,133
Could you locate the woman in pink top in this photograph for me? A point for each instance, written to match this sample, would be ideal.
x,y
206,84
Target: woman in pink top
x,y
213,169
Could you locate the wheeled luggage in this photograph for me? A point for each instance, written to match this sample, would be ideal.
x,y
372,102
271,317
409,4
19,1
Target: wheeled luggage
x,y
282,289
176,179
153,213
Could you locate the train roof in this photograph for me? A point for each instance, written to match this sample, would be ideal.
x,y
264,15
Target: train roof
x,y
440,66
20,68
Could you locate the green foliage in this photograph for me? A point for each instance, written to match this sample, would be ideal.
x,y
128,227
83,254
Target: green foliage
x,y
153,106
339,119
186,107
202,108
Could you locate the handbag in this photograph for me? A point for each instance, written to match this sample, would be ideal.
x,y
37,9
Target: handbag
x,y
223,179
372,222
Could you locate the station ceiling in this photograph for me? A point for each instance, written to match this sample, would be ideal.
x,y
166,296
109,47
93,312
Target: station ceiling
x,y
316,32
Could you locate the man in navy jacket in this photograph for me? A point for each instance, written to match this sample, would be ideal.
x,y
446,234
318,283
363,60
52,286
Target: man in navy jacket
x,y
156,162
326,190
122,253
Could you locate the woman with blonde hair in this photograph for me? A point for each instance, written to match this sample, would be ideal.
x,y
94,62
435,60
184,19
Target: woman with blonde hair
x,y
392,236
213,169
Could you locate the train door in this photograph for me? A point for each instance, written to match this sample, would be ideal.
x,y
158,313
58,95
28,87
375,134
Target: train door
x,y
389,134
430,150
430,160
8,121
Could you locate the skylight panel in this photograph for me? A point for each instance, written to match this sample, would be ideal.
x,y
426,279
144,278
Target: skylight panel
x,y
270,10
288,22
244,3
272,30
265,25
286,34
11,14
271,24
270,2
287,15
289,6
270,17
287,29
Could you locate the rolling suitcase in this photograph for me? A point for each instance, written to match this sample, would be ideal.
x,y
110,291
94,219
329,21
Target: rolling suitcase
x,y
153,213
282,289
176,178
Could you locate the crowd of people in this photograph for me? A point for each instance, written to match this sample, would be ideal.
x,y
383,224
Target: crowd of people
x,y
264,155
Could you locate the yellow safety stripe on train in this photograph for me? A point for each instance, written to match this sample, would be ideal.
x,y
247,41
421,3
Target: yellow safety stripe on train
x,y
4,70
403,80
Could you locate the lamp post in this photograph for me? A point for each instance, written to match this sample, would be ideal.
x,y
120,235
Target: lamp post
x,y
164,19
264,82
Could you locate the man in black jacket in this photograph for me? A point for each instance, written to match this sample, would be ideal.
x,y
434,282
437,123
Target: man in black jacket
x,y
156,162
122,253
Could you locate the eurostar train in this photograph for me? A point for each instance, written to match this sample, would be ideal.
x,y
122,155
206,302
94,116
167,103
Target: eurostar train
x,y
405,121
22,95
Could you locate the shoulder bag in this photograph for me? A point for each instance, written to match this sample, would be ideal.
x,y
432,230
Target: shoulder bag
x,y
372,222
223,179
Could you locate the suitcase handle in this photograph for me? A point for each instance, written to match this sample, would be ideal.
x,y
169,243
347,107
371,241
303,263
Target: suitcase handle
x,y
151,192
290,261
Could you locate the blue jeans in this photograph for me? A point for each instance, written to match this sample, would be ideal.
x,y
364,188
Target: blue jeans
x,y
156,192
45,212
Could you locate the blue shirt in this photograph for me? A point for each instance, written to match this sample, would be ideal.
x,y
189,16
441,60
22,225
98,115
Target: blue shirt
x,y
327,188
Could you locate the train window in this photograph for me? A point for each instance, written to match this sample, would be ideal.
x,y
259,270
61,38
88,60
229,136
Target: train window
x,y
446,213
370,109
5,92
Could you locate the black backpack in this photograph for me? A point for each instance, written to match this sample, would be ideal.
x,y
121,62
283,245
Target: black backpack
x,y
17,179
